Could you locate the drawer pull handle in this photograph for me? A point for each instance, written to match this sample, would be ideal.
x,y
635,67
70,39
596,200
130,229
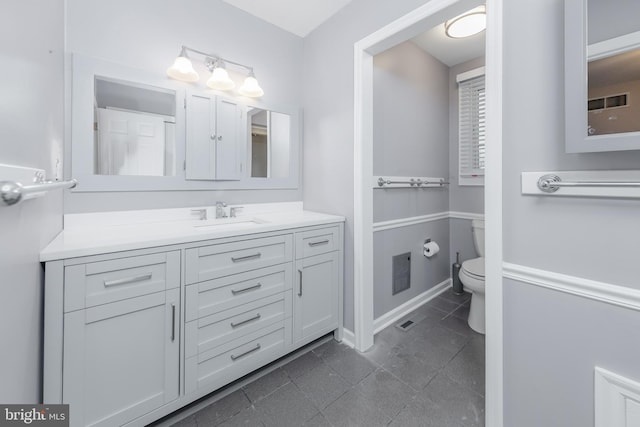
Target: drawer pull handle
x,y
246,258
127,280
235,325
300,291
173,322
321,242
250,288
256,348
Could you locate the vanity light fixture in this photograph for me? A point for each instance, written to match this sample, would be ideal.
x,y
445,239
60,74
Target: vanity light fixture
x,y
182,69
468,24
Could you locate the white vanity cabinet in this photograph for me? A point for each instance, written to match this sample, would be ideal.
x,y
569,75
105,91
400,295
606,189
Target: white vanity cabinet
x,y
120,337
215,141
318,295
134,335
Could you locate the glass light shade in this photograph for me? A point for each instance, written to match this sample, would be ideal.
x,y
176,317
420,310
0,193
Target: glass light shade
x,y
220,80
182,69
468,24
251,88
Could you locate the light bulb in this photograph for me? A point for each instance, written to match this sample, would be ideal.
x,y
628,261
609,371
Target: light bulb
x,y
182,69
220,79
251,88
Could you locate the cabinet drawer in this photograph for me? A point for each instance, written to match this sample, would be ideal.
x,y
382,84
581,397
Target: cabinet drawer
x,y
210,262
96,283
212,331
220,366
207,298
316,242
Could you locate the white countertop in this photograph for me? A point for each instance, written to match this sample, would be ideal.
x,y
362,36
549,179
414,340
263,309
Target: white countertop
x,y
84,237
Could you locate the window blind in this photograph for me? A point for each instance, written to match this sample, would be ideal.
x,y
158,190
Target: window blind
x,y
471,94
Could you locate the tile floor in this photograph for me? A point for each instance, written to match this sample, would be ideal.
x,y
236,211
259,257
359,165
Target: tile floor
x,y
430,375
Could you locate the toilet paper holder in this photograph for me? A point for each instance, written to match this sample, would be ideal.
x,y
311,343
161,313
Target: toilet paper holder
x,y
427,252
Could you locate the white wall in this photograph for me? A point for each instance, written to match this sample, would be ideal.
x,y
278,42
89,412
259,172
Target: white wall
x,y
552,341
410,138
148,34
31,127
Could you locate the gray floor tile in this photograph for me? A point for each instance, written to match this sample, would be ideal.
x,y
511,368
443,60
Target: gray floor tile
x,y
467,368
317,421
246,418
464,406
322,385
266,385
351,366
285,407
442,304
330,349
432,352
411,370
381,351
186,422
459,299
302,364
223,409
455,324
354,409
443,337
388,393
462,312
424,413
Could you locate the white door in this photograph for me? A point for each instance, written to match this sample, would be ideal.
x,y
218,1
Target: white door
x,y
130,143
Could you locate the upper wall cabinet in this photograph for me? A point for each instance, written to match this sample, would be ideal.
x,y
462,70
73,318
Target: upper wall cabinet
x,y
602,75
132,130
215,138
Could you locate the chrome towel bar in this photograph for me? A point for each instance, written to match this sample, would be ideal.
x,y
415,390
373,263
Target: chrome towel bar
x,y
551,183
12,192
412,182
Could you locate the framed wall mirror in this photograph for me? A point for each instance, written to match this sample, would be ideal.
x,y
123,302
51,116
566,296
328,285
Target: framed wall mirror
x,y
132,130
602,75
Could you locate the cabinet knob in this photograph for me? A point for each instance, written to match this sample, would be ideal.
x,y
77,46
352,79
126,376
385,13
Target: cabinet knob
x,y
213,137
219,137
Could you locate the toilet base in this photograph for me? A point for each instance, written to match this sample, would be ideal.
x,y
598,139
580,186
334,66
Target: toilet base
x,y
476,313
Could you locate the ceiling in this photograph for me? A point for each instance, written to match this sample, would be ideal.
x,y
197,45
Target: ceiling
x,y
450,51
621,68
301,17
296,16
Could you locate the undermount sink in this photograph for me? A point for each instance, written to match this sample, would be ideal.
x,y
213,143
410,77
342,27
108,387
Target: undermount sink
x,y
229,222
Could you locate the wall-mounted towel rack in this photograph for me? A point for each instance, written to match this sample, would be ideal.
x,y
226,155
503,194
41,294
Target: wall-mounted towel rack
x,y
26,183
621,184
408,182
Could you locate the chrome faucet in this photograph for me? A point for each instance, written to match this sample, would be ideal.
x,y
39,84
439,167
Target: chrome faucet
x,y
220,210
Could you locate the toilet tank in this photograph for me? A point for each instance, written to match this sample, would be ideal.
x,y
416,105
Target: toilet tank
x,y
477,228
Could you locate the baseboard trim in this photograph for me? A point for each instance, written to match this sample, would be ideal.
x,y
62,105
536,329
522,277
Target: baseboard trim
x,y
620,296
348,338
399,312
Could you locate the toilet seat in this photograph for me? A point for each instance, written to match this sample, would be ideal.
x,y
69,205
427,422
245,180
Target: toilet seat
x,y
474,268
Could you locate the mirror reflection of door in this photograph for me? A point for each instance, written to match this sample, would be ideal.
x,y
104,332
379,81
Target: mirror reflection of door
x,y
270,143
614,67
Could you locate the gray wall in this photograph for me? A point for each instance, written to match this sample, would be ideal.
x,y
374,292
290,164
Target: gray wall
x,y
410,138
31,127
465,198
147,34
558,235
328,102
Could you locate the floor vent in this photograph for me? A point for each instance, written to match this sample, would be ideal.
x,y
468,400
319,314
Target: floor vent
x,y
406,324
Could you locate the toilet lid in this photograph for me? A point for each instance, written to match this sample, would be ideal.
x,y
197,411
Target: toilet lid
x,y
474,267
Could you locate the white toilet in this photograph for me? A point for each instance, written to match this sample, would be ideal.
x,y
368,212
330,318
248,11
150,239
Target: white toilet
x,y
472,277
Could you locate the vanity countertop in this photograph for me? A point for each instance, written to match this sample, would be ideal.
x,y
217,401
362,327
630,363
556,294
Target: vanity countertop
x,y
84,238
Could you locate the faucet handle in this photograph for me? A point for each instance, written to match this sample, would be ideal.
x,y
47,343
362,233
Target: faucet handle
x,y
234,210
202,213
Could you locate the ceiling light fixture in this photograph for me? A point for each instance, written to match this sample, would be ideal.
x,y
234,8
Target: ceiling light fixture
x,y
468,24
182,69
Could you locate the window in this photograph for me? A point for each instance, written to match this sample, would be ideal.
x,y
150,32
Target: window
x,y
471,127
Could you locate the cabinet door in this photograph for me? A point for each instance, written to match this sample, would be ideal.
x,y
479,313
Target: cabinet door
x,y
316,300
121,359
201,137
229,131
